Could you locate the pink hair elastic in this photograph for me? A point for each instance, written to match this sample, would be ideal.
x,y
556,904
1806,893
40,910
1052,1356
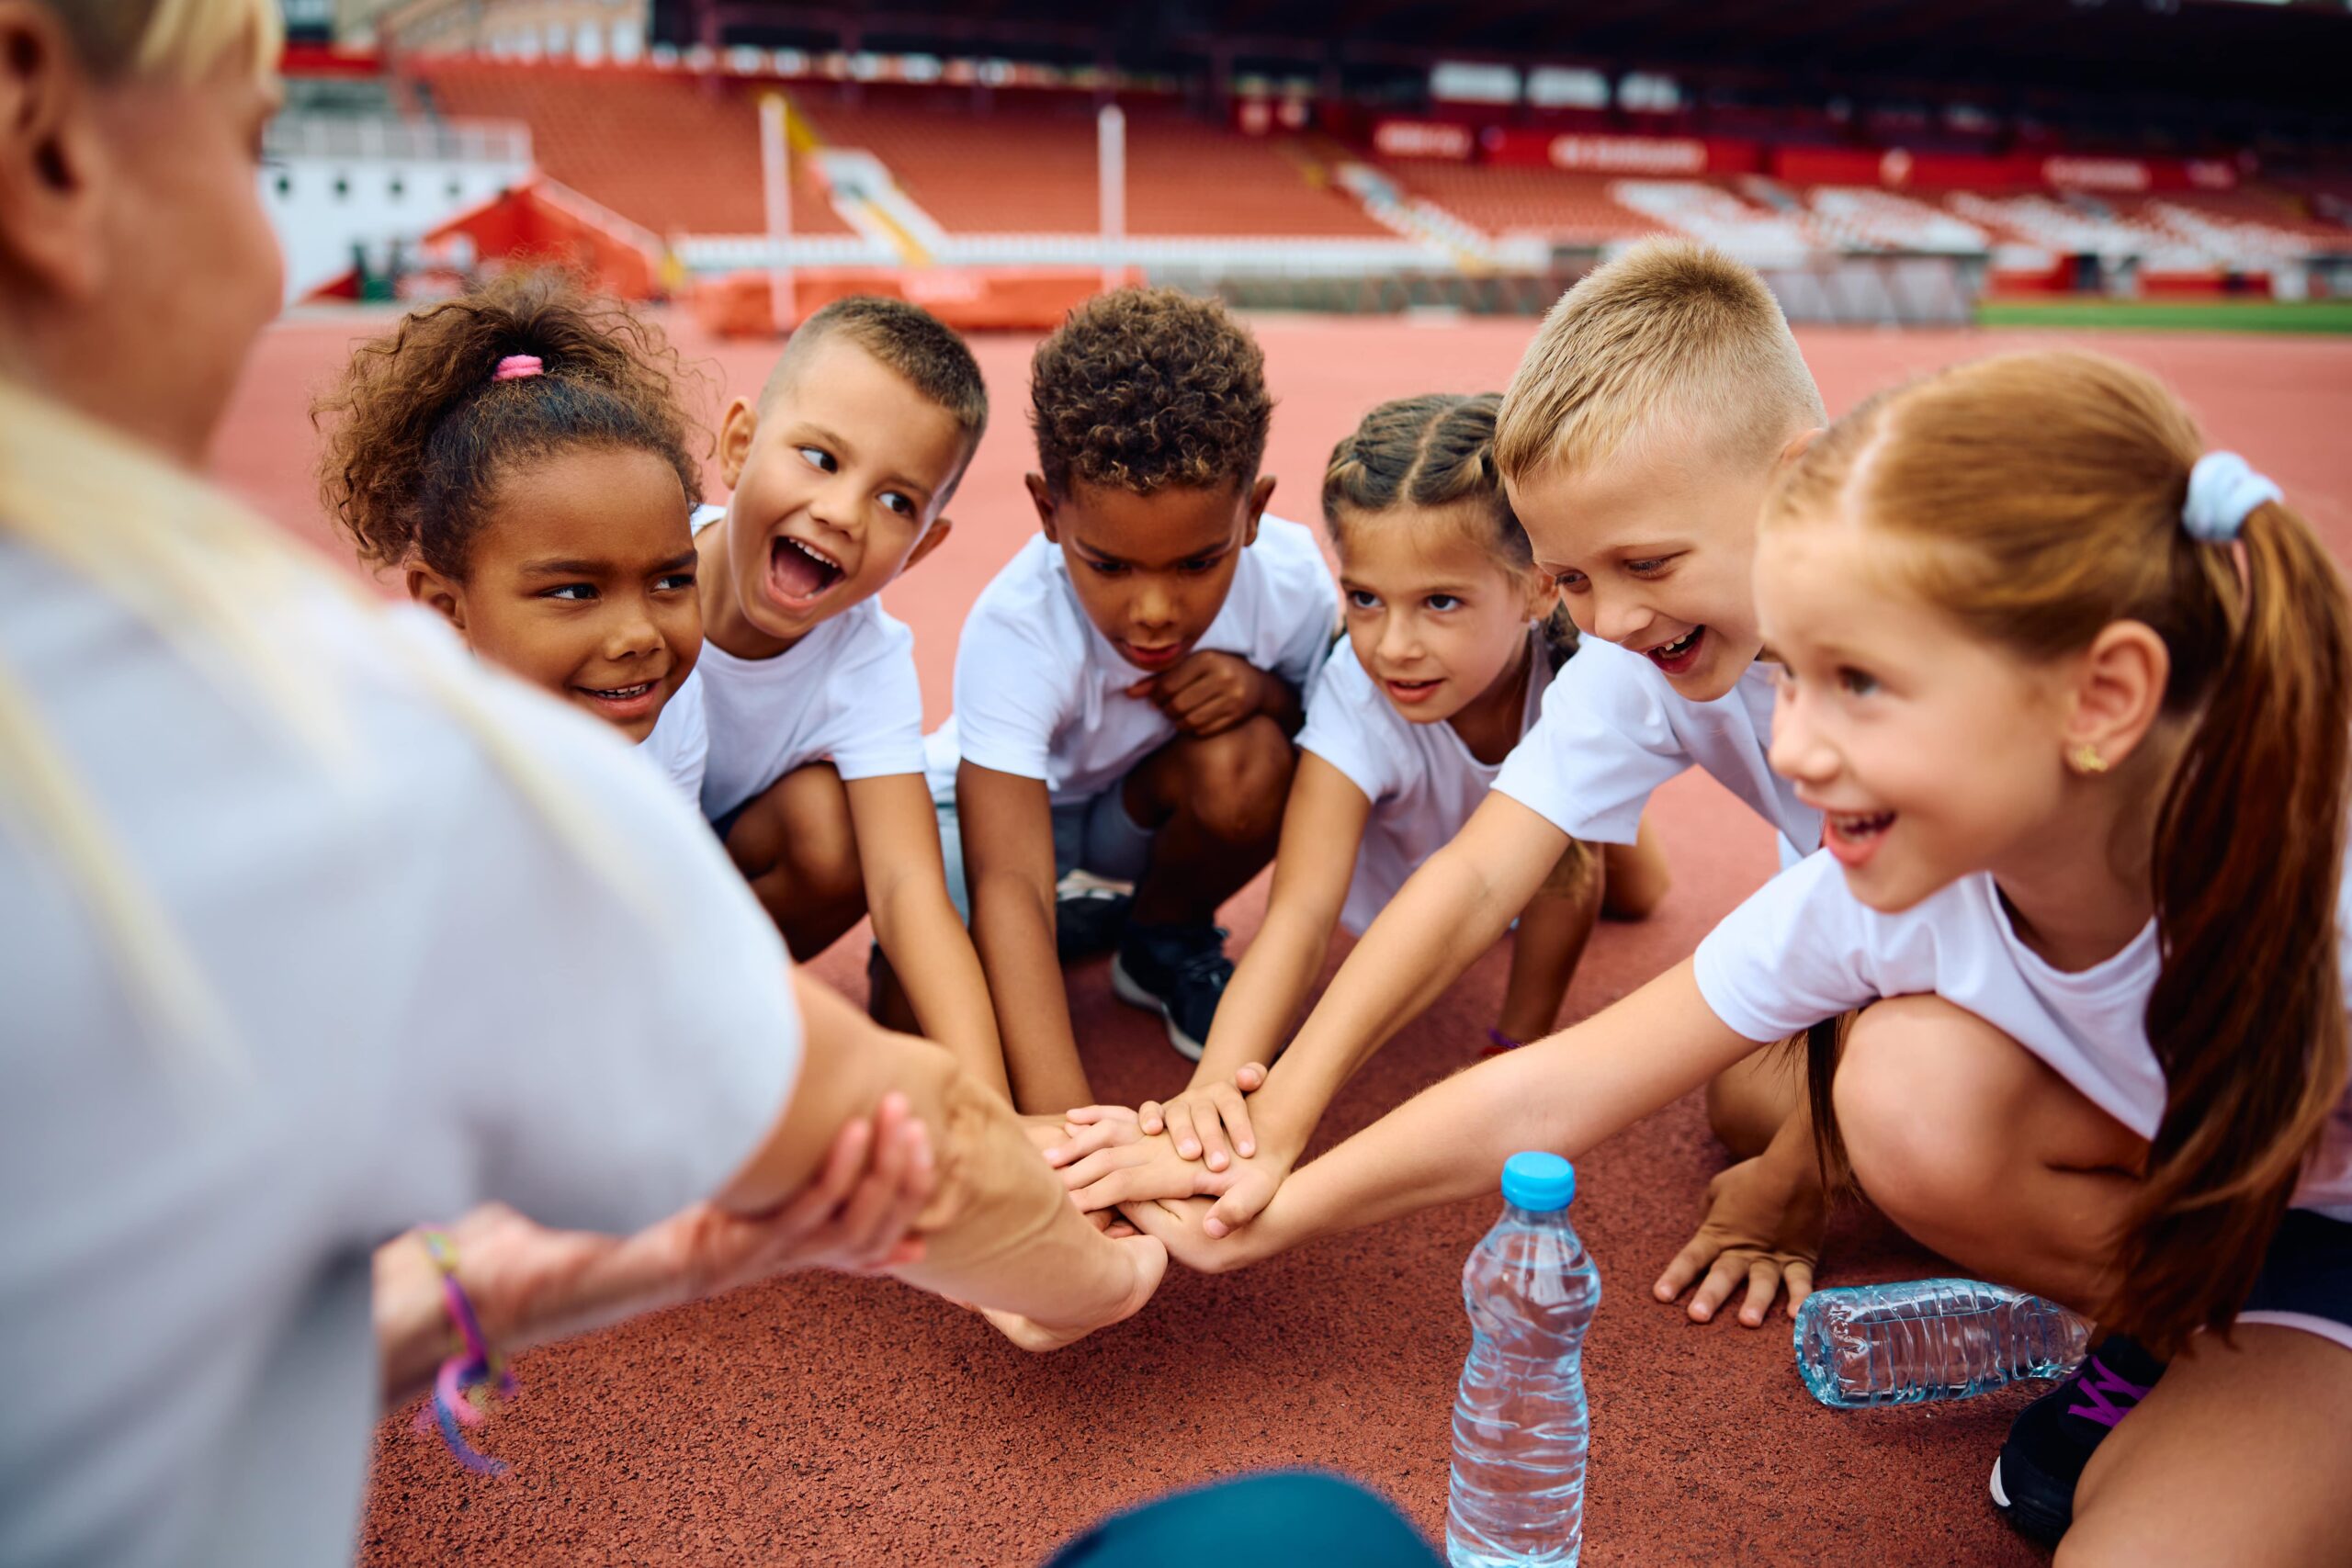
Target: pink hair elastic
x,y
514,366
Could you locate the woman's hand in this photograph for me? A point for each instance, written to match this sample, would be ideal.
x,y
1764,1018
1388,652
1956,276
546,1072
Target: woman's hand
x,y
530,1284
1210,1122
1763,1225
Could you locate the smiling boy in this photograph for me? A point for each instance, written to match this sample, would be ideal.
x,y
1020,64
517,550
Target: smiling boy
x,y
1646,422
841,469
1127,687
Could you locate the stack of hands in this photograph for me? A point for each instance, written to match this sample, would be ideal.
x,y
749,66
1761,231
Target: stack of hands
x,y
1194,1171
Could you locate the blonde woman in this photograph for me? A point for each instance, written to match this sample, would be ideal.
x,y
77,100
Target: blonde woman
x,y
312,930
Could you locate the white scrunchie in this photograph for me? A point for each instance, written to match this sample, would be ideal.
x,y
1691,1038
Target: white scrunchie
x,y
2224,488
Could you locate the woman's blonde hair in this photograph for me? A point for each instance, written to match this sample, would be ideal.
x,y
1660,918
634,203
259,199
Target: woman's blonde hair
x,y
177,39
2045,492
209,576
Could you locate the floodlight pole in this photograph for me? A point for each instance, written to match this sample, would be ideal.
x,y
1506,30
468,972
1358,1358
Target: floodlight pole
x,y
1110,141
776,186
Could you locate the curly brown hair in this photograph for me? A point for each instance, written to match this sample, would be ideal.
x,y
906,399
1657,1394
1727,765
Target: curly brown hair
x,y
1144,388
419,434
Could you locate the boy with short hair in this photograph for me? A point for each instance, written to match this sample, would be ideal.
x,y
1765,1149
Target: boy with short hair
x,y
1653,409
1127,687
839,470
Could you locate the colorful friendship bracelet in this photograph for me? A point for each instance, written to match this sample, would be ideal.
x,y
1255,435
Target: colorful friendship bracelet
x,y
1498,1041
474,1367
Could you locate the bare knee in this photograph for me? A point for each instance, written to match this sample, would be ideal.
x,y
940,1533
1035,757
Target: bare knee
x,y
799,839
1237,782
1921,1095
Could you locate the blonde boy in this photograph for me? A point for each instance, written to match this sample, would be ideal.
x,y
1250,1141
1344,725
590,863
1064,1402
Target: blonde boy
x,y
1637,440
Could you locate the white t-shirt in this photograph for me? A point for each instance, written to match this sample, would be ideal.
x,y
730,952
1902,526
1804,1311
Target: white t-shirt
x,y
1804,949
1421,779
438,1002
846,693
1614,728
679,744
1041,694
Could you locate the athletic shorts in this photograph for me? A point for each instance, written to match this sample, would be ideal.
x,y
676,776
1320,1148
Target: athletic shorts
x,y
1095,835
2306,1279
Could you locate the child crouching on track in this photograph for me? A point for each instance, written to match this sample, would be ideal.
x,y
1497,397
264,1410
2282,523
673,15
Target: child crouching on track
x,y
1452,637
2072,698
520,454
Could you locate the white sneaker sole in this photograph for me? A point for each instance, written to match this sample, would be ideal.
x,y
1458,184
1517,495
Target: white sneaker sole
x,y
2000,1496
1124,987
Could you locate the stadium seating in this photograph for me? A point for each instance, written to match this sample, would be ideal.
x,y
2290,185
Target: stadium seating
x,y
1031,169
663,150
1561,208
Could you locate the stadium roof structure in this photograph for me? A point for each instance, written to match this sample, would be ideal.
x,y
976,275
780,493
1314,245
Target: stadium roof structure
x,y
2286,56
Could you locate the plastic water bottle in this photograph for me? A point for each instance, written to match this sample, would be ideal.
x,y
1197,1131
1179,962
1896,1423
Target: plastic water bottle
x,y
1519,1428
1916,1340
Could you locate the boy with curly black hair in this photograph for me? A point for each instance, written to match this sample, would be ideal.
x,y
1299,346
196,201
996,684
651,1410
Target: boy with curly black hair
x,y
1127,687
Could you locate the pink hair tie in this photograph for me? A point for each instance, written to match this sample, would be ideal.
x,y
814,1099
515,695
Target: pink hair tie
x,y
514,366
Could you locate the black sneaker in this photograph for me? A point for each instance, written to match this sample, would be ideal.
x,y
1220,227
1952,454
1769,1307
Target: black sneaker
x,y
2052,1439
1177,972
1089,921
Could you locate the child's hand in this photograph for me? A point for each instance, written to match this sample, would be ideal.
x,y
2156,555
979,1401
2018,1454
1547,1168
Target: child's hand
x,y
1761,1226
1178,1224
1147,1168
1206,692
1208,1122
1088,1128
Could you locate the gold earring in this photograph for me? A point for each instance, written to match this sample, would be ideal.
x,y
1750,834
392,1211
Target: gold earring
x,y
2087,759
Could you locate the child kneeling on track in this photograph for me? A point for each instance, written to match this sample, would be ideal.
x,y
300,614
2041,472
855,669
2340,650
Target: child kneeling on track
x,y
1452,637
1646,422
1126,688
2040,658
519,454
839,470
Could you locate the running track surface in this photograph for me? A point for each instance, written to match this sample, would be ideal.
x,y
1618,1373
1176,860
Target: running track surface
x,y
829,1420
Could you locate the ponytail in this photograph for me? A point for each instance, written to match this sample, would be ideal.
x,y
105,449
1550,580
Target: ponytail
x,y
2247,1015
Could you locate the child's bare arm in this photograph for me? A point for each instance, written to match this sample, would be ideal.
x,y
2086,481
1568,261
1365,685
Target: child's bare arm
x,y
1450,911
1322,828
1565,1093
1008,832
1207,692
906,892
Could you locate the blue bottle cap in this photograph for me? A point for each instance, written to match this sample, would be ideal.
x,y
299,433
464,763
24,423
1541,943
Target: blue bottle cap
x,y
1540,1180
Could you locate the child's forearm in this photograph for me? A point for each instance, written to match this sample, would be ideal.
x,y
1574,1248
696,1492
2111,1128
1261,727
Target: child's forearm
x,y
1565,1093
932,956
1013,928
1446,915
1268,986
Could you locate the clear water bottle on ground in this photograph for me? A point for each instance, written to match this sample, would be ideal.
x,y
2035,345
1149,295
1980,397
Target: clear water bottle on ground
x,y
1918,1340
1519,1428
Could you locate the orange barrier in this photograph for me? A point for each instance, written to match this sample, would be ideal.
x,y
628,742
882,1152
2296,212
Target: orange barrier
x,y
968,299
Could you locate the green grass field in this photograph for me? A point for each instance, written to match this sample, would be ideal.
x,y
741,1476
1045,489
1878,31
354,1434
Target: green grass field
x,y
2186,315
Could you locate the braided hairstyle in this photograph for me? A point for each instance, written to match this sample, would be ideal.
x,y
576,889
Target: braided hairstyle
x,y
1433,453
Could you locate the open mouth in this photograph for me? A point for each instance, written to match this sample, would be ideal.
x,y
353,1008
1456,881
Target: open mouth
x,y
1676,657
1853,836
799,574
1411,691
